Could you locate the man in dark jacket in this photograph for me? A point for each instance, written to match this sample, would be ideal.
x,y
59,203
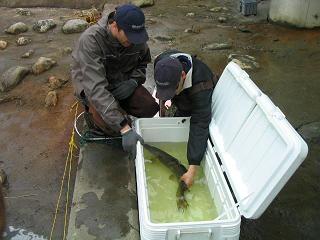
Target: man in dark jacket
x,y
109,68
188,83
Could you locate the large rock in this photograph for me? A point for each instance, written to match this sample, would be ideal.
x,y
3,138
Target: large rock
x,y
21,41
244,61
17,28
12,77
217,46
3,44
43,26
67,50
190,14
222,19
143,3
164,38
108,8
51,99
193,29
43,64
55,82
91,15
310,132
23,12
28,54
75,26
218,9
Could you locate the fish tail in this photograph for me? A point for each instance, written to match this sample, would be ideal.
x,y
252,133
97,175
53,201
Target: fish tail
x,y
182,203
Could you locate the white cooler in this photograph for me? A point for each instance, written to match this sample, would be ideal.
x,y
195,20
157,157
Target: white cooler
x,y
252,146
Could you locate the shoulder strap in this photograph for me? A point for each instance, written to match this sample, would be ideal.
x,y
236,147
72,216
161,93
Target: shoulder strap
x,y
204,85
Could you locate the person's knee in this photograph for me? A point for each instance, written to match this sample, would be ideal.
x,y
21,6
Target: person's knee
x,y
140,104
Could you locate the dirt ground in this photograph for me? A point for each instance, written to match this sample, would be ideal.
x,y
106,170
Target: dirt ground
x,y
34,139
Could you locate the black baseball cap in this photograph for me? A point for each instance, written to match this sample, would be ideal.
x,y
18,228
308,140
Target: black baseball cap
x,y
167,74
131,20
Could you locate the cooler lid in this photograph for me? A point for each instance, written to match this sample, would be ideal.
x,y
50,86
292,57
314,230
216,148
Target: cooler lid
x,y
258,148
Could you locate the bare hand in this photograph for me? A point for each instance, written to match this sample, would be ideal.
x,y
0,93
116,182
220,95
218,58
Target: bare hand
x,y
188,177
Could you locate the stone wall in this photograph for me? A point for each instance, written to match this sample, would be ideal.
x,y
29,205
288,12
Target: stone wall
x,y
82,4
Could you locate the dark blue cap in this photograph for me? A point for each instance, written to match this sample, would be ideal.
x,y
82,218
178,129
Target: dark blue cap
x,y
131,20
167,74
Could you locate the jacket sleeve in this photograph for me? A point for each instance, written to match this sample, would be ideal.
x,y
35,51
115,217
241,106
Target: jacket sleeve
x,y
139,73
95,84
199,126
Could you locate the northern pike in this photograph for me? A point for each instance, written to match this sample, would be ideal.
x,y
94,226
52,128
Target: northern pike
x,y
177,169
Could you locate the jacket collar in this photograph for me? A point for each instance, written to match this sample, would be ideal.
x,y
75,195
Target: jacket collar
x,y
103,24
188,80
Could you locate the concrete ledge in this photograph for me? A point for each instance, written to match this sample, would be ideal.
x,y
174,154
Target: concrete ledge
x,y
104,202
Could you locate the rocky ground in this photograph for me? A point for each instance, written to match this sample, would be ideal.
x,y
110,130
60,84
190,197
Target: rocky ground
x,y
36,122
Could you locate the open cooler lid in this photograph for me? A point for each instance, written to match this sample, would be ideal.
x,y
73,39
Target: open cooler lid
x,y
258,148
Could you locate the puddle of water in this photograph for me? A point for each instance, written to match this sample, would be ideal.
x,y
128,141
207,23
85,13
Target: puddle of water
x,y
22,234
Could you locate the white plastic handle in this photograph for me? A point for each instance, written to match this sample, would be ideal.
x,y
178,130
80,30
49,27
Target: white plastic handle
x,y
180,233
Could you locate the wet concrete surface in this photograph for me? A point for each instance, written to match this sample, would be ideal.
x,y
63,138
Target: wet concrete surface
x,y
104,205
33,139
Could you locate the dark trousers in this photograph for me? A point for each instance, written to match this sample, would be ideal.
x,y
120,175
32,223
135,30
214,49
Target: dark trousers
x,y
140,104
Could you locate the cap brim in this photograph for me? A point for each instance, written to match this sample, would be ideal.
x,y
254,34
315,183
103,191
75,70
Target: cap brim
x,y
165,93
137,37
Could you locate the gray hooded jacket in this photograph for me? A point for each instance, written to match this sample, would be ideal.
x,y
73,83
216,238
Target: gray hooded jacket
x,y
100,63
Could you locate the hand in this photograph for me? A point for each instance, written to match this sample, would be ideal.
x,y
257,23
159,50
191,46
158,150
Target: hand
x,y
129,142
167,104
188,177
124,89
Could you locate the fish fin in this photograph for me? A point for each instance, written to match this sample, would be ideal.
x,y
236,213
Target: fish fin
x,y
182,204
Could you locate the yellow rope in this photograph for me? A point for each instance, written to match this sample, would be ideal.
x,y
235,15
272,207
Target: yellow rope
x,y
58,202
72,146
68,165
